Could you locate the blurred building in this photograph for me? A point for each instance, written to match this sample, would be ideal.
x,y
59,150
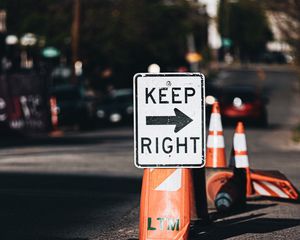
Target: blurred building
x,y
214,38
277,21
278,25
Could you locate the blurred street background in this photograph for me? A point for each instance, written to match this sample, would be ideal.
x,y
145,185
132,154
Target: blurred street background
x,y
66,107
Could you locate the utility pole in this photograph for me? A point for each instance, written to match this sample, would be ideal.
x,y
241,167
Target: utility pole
x,y
2,32
75,31
2,21
194,65
2,36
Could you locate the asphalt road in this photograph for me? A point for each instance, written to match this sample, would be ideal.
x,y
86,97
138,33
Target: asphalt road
x,y
85,186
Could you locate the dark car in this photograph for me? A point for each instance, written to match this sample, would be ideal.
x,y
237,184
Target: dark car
x,y
273,58
75,105
243,103
116,108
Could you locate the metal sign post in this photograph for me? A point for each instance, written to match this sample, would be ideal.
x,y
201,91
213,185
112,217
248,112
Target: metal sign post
x,y
169,120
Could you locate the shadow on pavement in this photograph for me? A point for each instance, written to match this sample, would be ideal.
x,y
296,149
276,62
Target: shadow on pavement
x,y
284,200
65,207
52,238
58,182
249,207
22,141
253,223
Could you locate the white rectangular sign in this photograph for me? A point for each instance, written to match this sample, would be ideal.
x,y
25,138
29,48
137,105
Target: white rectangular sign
x,y
169,120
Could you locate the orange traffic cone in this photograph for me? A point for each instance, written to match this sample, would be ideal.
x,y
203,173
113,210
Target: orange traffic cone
x,y
263,183
54,118
239,155
229,189
165,204
215,153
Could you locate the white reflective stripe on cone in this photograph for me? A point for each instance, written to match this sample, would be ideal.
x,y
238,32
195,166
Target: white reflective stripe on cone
x,y
239,142
215,141
260,189
171,183
241,161
215,123
275,189
215,159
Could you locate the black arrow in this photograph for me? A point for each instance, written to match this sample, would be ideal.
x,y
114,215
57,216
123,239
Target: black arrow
x,y
180,120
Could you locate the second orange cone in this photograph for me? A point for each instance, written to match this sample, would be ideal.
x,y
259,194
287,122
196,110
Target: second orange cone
x,y
239,155
215,152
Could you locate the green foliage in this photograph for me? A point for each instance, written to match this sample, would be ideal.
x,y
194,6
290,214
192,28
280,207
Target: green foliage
x,y
47,18
131,34
296,133
124,35
245,23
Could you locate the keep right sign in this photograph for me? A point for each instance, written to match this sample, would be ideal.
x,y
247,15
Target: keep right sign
x,y
169,120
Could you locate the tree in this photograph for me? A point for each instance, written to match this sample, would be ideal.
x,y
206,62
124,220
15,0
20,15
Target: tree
x,y
47,18
245,23
123,35
287,13
135,33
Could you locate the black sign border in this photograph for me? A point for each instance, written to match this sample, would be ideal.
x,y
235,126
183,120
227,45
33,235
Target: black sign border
x,y
136,118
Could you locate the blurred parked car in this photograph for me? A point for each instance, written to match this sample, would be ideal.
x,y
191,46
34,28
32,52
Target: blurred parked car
x,y
75,105
273,58
116,108
243,103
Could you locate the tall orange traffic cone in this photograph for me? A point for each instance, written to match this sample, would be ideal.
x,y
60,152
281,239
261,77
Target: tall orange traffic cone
x,y
215,153
239,155
54,118
165,204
